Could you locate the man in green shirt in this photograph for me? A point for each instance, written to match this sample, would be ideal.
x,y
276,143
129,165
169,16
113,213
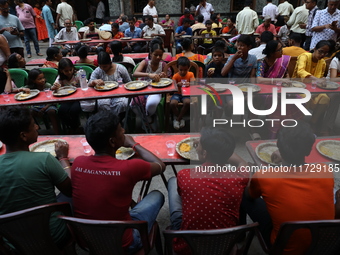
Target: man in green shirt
x,y
28,179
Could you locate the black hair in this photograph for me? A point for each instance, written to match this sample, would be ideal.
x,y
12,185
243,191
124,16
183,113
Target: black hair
x,y
218,144
88,21
131,18
321,44
104,58
63,63
51,52
200,18
183,61
12,61
82,50
186,11
233,19
270,48
266,36
32,76
248,3
215,19
148,17
144,19
186,21
116,48
156,44
14,120
186,44
124,18
99,128
208,22
246,39
220,44
3,2
106,20
217,49
295,36
332,45
116,25
295,143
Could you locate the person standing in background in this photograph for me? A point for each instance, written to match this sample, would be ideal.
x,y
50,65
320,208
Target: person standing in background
x,y
49,21
270,10
64,12
40,23
150,9
26,16
206,9
100,12
285,8
311,5
247,20
299,16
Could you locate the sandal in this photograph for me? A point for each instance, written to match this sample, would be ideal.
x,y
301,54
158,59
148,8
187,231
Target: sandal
x,y
39,54
255,136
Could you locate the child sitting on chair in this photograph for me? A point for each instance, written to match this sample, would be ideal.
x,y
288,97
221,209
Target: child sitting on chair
x,y
214,69
182,78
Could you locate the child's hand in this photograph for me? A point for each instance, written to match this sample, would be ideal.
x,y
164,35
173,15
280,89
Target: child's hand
x,y
238,54
155,77
26,90
162,75
56,86
179,84
211,72
97,82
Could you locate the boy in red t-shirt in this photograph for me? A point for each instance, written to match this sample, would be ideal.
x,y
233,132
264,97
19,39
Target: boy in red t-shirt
x,y
182,78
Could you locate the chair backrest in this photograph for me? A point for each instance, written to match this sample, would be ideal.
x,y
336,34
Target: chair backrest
x,y
325,236
217,30
29,230
213,241
173,66
105,237
50,74
201,66
85,64
291,66
79,24
169,33
129,67
87,69
19,76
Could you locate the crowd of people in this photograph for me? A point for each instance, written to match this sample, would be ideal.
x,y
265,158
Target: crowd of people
x,y
197,200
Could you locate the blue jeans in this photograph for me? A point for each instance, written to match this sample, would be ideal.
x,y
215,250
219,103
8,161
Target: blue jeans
x,y
175,205
31,35
146,210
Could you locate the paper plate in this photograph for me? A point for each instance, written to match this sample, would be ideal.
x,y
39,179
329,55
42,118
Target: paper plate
x,y
330,85
64,91
329,149
21,96
244,87
214,85
190,151
46,146
124,153
147,37
164,82
135,85
125,38
109,85
264,152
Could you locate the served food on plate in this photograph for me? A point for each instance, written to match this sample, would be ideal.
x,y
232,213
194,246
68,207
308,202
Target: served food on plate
x,y
244,87
327,85
329,148
46,146
295,84
134,85
24,96
186,148
265,152
124,153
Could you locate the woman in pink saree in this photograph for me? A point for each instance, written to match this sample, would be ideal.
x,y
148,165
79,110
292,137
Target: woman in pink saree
x,y
273,69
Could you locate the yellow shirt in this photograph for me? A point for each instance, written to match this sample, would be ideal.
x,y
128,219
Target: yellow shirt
x,y
305,67
293,51
208,40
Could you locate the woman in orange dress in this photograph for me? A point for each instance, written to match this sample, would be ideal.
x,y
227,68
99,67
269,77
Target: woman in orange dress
x,y
40,23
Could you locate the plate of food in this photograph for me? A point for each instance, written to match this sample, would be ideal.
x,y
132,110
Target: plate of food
x,y
46,146
126,38
329,149
186,36
294,84
265,150
108,85
85,40
147,37
186,148
244,87
163,82
124,153
329,85
216,86
135,85
64,91
21,96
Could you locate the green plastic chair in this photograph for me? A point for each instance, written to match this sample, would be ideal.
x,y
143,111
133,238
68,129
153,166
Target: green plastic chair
x,y
50,74
87,69
85,64
79,24
19,76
